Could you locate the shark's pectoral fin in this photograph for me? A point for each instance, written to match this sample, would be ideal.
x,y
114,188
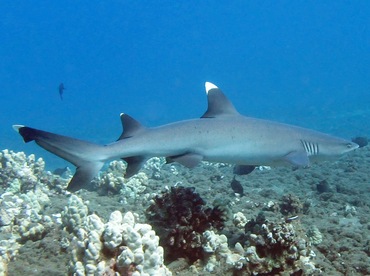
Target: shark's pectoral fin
x,y
297,158
134,164
189,160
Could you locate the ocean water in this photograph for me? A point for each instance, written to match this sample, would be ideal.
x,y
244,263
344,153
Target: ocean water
x,y
305,63
299,62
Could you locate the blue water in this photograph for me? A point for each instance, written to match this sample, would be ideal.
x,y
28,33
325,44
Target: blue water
x,y
300,62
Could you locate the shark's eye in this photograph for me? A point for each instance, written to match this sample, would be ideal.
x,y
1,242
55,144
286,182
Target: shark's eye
x,y
349,145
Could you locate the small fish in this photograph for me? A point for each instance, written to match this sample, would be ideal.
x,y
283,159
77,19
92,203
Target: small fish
x,y
237,187
61,90
60,171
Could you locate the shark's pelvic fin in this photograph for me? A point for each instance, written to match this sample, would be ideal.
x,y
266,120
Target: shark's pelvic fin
x,y
83,175
218,103
132,127
134,164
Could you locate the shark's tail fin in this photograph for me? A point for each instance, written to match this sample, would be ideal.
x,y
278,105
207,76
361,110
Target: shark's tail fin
x,y
86,156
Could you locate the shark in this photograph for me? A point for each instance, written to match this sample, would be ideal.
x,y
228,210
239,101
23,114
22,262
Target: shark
x,y
222,134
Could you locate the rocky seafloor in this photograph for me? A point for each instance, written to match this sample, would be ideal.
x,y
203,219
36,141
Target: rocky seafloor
x,y
172,220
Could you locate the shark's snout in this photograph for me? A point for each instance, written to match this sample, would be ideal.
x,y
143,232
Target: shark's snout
x,y
351,146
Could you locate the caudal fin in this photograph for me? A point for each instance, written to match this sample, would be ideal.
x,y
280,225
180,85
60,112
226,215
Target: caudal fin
x,y
86,156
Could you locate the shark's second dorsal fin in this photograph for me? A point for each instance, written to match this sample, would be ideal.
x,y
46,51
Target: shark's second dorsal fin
x,y
218,103
130,126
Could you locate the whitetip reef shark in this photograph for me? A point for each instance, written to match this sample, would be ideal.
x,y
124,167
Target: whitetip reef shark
x,y
220,135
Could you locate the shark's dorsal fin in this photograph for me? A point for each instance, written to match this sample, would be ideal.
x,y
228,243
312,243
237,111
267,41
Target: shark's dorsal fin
x,y
130,126
218,103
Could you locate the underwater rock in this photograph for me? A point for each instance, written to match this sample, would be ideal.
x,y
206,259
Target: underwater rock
x,y
181,217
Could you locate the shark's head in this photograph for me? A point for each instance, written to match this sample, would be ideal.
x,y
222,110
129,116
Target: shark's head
x,y
340,148
327,147
334,147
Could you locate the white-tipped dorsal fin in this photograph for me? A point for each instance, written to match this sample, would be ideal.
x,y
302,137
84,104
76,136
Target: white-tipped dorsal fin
x,y
210,86
17,127
130,126
218,103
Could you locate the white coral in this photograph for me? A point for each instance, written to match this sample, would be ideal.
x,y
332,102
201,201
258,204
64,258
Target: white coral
x,y
137,243
74,215
239,220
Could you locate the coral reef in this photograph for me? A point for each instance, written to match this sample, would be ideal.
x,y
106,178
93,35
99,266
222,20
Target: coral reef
x,y
21,219
180,218
276,247
23,202
239,220
314,235
218,255
20,172
290,205
267,248
97,241
154,165
112,181
74,214
119,247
